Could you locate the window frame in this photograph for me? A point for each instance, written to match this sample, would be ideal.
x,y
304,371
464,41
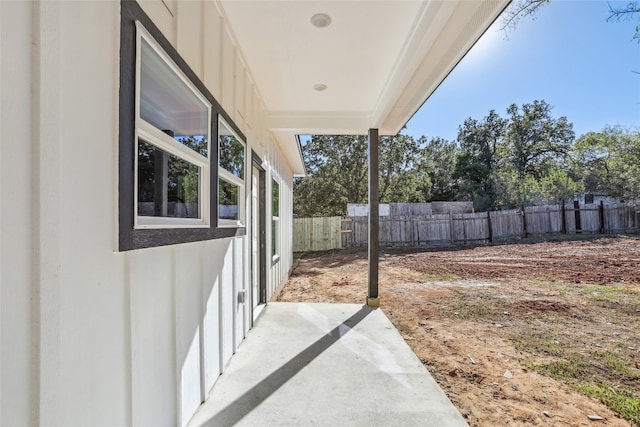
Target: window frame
x,y
130,237
275,220
154,136
230,178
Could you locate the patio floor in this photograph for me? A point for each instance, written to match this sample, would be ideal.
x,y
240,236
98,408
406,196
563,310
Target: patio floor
x,y
325,365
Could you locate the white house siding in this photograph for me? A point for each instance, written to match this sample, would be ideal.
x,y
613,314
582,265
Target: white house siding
x,y
91,335
280,270
16,276
68,288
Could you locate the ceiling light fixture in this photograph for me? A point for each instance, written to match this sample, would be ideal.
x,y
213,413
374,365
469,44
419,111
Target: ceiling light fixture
x,y
320,20
320,87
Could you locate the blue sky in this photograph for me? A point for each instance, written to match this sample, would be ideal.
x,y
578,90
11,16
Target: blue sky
x,y
569,56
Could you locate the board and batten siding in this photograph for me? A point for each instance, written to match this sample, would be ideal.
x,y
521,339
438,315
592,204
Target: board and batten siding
x,y
281,267
91,335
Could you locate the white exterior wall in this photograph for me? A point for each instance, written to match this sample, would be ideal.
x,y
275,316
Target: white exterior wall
x,y
90,335
280,270
16,234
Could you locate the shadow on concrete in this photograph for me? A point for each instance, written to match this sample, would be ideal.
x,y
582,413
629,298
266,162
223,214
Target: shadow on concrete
x,y
244,404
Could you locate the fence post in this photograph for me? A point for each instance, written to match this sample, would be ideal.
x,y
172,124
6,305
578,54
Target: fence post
x,y
489,227
601,217
563,227
524,223
576,212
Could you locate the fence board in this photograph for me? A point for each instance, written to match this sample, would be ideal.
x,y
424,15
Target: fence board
x,y
589,218
618,217
317,234
543,219
451,229
432,229
506,224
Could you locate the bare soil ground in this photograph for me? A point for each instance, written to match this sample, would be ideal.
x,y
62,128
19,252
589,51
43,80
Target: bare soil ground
x,y
544,333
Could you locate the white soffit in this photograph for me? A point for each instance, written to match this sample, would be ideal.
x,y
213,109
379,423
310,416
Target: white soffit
x,y
379,59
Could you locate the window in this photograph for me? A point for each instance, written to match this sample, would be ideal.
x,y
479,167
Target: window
x,y
173,122
168,177
275,219
231,171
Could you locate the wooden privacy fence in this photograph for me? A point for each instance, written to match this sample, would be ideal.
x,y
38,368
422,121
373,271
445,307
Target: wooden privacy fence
x,y
316,234
452,229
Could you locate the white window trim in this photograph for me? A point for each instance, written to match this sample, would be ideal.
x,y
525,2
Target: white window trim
x,y
232,179
146,131
275,257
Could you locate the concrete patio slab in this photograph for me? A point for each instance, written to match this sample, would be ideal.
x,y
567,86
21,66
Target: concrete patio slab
x,y
325,365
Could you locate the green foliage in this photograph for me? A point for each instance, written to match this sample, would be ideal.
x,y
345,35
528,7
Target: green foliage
x,y
623,402
275,198
337,175
537,141
182,177
507,163
484,141
187,187
563,369
527,158
482,152
584,373
608,162
231,153
399,177
227,193
436,168
552,188
337,168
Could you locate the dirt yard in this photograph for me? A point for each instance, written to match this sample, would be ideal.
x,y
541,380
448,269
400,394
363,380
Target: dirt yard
x,y
543,333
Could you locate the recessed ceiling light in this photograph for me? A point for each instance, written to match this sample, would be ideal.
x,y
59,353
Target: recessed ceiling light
x,y
320,87
320,20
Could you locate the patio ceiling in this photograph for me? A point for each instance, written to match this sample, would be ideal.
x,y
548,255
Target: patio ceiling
x,y
377,60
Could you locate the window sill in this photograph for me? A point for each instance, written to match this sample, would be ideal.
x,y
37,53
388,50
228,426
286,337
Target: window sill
x,y
164,222
227,223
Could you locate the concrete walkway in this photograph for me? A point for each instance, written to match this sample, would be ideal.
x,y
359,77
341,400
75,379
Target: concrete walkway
x,y
325,365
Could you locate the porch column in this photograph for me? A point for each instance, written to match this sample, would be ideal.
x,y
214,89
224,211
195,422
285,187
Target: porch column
x,y
374,220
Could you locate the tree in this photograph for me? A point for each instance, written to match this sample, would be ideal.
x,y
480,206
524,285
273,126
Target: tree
x,y
164,178
538,145
537,141
399,181
436,169
482,151
484,140
518,10
529,8
623,13
514,191
337,173
608,162
520,160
